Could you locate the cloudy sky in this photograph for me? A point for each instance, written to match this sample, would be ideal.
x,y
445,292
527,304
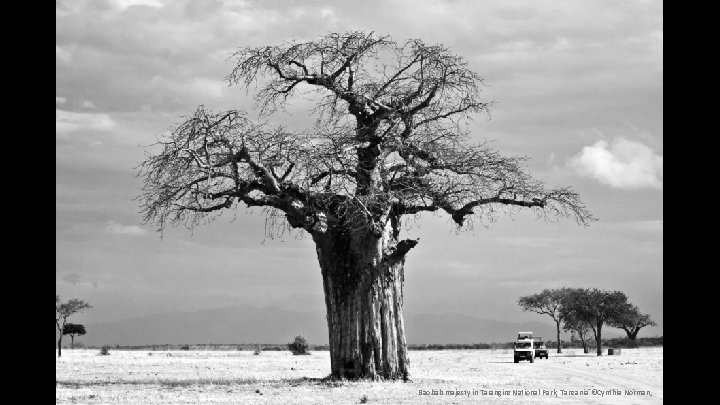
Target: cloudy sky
x,y
577,86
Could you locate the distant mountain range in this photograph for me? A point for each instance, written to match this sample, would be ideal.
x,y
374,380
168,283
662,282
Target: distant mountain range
x,y
273,325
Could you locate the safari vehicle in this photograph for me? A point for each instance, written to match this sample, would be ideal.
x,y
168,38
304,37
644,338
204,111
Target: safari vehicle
x,y
540,348
524,350
524,335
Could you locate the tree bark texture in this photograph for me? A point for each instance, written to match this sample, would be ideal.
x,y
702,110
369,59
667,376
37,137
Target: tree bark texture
x,y
364,296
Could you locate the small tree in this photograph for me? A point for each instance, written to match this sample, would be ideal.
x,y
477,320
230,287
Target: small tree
x,y
573,324
547,302
63,310
631,321
73,329
299,346
596,307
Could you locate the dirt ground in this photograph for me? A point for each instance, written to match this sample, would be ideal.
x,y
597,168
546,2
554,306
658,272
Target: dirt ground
x,y
438,377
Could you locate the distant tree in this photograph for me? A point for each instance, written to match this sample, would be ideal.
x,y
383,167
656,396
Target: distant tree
x,y
63,310
596,307
631,321
578,326
547,302
73,329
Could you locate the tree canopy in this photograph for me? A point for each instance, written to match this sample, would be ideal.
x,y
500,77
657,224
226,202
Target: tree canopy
x,y
631,321
594,306
63,310
547,302
390,139
74,329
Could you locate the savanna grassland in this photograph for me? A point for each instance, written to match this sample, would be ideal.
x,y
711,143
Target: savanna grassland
x,y
272,377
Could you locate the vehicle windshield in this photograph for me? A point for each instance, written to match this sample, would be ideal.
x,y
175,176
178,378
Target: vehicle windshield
x,y
523,345
540,345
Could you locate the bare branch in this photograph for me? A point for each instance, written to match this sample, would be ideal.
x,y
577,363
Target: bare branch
x,y
390,137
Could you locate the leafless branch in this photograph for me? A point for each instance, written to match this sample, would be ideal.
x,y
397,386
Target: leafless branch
x,y
390,140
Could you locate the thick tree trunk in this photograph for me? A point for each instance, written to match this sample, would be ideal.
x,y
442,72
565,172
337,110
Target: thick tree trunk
x,y
60,346
598,339
559,348
363,287
72,341
632,335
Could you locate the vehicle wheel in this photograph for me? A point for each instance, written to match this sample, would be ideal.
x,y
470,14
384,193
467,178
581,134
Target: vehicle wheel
x,y
532,359
516,360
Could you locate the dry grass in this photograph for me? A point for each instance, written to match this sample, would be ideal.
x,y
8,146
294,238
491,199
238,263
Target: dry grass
x,y
231,377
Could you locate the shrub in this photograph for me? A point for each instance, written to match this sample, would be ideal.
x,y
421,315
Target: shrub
x,y
364,399
105,350
257,351
185,347
299,346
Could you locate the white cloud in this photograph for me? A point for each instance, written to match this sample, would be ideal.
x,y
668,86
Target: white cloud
x,y
622,164
88,104
62,55
120,229
123,4
68,121
60,100
76,279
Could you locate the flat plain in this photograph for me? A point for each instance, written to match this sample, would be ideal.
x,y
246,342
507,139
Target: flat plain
x,y
83,376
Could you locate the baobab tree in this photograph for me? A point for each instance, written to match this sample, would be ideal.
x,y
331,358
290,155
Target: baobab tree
x,y
631,322
390,141
548,302
63,310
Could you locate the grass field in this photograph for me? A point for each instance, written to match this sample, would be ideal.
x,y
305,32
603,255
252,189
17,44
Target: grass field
x,y
463,376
